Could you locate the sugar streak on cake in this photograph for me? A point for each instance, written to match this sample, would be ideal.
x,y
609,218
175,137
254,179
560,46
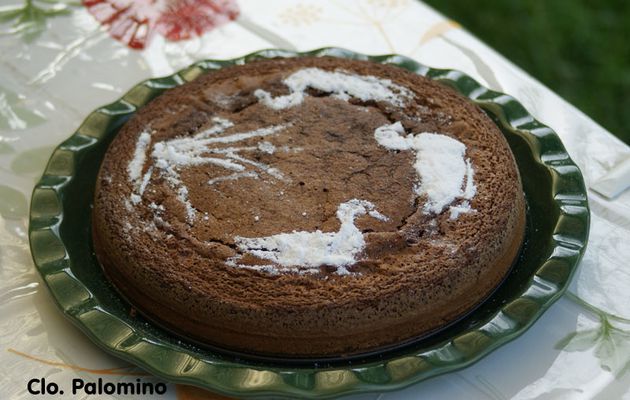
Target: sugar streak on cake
x,y
445,175
170,156
300,250
341,84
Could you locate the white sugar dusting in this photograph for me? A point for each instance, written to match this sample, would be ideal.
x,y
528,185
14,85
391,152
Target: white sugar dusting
x,y
135,167
220,125
463,208
135,200
171,156
188,150
262,166
145,181
280,102
233,177
470,190
377,215
303,252
445,174
342,85
156,207
266,147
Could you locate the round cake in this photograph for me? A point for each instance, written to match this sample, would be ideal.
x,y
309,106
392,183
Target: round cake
x,y
308,207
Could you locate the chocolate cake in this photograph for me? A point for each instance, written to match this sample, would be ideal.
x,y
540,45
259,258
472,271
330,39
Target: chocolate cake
x,y
308,207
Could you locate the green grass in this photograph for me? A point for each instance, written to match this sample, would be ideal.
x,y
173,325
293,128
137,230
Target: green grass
x,y
578,48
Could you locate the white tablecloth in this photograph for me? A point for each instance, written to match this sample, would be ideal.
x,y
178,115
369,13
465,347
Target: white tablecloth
x,y
52,78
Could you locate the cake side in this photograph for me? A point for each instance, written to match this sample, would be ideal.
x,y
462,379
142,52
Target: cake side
x,y
416,271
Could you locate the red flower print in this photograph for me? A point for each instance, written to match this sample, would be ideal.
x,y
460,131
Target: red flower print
x,y
134,22
184,18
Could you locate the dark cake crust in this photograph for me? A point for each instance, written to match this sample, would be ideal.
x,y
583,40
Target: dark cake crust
x,y
417,273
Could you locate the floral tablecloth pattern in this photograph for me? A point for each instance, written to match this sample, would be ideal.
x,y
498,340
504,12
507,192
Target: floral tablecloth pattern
x,y
60,60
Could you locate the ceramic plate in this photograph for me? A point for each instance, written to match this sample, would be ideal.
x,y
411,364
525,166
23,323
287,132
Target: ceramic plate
x,y
60,238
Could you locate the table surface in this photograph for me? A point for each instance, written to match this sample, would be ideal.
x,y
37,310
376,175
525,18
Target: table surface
x,y
58,66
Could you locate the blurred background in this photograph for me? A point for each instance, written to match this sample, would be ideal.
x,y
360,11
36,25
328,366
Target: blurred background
x,y
578,48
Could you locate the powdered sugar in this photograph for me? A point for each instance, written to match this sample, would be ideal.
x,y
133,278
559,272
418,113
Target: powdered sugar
x,y
445,175
280,102
266,147
145,181
135,167
233,177
342,85
305,251
220,125
171,156
460,209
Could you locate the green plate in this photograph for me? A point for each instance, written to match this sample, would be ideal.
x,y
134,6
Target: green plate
x,y
558,222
